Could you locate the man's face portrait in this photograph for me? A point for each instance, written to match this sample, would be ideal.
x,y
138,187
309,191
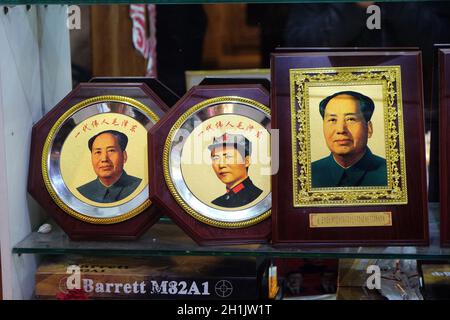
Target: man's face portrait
x,y
229,165
104,162
345,130
230,155
346,125
346,118
223,163
294,283
108,158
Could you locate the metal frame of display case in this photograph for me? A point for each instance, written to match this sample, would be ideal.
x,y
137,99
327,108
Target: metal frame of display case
x,y
174,2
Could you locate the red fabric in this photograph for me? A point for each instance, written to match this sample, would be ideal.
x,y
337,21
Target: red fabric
x,y
237,188
74,294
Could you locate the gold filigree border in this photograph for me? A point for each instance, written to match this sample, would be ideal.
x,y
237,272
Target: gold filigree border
x,y
49,140
166,165
306,196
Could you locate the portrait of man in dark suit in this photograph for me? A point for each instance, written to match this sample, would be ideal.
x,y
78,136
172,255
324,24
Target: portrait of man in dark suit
x,y
347,127
230,155
108,156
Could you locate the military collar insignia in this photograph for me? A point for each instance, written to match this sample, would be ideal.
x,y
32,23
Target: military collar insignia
x,y
240,186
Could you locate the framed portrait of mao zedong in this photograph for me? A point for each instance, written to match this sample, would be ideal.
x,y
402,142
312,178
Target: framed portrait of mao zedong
x,y
89,160
352,163
214,178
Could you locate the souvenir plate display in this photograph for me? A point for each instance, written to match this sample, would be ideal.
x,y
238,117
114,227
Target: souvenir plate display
x,y
352,169
92,151
215,173
160,89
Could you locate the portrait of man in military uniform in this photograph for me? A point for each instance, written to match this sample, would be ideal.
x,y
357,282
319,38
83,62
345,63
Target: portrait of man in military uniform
x,y
230,154
108,156
347,127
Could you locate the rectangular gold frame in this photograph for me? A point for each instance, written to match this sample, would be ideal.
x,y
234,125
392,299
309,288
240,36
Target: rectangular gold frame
x,y
396,190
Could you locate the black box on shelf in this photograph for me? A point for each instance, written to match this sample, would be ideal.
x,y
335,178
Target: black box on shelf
x,y
436,280
181,277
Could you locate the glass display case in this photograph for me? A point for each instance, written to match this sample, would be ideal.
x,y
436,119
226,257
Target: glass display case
x,y
49,48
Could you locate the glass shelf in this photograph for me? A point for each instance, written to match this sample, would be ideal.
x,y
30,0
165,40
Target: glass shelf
x,y
166,239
